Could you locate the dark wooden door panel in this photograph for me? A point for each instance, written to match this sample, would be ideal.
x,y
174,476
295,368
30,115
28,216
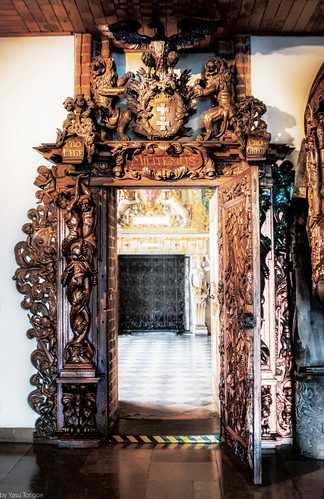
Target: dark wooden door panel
x,y
151,290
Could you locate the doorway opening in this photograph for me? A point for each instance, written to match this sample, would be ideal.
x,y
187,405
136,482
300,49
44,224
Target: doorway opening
x,y
167,310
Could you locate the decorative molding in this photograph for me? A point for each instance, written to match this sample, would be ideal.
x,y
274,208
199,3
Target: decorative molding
x,y
165,244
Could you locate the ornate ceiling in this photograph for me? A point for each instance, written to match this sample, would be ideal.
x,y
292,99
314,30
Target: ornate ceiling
x,y
271,17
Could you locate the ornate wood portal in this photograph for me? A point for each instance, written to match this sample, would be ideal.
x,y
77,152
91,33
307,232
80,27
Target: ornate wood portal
x,y
68,263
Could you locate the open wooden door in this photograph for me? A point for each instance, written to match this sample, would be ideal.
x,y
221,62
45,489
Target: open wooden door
x,y
239,302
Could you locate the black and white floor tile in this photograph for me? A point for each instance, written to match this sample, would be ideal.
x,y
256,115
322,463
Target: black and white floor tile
x,y
166,373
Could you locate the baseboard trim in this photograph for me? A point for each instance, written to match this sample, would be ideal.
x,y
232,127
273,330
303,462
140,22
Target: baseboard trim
x,y
17,435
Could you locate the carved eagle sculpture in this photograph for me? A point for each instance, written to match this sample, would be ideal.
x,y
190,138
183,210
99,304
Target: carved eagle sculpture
x,y
159,51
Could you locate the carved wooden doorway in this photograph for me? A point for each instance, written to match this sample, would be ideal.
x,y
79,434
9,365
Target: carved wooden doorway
x,y
239,317
68,270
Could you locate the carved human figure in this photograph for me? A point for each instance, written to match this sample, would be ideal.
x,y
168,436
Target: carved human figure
x,y
106,87
78,276
217,81
88,213
200,289
46,181
198,280
71,217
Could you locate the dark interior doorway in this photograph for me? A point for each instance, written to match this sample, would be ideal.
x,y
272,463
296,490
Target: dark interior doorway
x,y
153,293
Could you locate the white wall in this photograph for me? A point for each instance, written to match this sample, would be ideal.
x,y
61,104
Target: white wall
x,y
36,77
283,70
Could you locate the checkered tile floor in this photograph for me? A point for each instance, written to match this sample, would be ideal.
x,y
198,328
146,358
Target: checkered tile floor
x,y
166,372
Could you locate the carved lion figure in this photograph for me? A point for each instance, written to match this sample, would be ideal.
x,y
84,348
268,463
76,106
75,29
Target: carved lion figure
x,y
106,87
217,80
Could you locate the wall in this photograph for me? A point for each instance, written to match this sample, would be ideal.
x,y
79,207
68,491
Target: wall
x,y
283,70
36,77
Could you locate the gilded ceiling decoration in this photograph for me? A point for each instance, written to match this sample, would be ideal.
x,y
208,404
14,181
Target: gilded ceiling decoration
x,y
162,211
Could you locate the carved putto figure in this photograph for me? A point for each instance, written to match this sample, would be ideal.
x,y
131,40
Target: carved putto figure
x,y
106,87
218,82
78,123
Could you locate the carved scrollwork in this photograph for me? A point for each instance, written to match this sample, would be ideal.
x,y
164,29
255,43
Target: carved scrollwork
x,y
79,409
309,420
36,280
283,177
163,161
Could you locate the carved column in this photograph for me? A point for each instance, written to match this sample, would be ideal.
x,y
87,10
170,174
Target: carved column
x,y
277,318
283,179
78,342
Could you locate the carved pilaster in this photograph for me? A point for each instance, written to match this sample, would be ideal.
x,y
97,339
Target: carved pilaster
x,y
79,275
282,188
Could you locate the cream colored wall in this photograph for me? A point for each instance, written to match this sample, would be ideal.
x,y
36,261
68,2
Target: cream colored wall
x,y
36,77
283,70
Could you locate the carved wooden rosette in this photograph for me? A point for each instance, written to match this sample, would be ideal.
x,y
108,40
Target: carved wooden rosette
x,y
314,131
36,279
283,179
236,304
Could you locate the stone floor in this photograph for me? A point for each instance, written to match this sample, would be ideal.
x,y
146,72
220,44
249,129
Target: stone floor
x,y
152,472
165,375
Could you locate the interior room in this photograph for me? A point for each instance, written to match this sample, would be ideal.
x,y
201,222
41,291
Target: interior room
x,y
166,308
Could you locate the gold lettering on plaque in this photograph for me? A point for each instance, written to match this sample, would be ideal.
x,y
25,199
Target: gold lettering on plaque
x,y
73,150
256,146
